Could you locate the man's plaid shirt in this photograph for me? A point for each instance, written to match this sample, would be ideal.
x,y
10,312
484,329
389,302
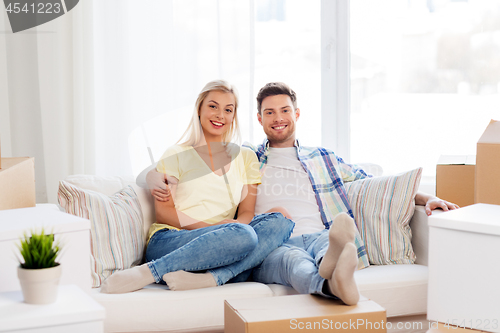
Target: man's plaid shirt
x,y
327,173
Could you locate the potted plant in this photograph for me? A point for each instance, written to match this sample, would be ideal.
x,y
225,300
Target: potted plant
x,y
39,274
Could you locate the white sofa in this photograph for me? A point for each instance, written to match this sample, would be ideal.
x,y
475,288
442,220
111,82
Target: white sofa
x,y
400,289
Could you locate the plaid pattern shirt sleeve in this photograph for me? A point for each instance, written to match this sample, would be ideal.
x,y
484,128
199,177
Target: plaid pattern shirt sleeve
x,y
350,172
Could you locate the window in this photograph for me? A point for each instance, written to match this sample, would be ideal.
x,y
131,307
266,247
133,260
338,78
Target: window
x,y
287,49
425,80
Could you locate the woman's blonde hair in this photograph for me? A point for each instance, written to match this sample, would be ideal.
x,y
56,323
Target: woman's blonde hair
x,y
192,135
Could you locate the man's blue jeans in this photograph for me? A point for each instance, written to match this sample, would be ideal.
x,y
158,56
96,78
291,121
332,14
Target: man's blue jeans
x,y
224,250
295,264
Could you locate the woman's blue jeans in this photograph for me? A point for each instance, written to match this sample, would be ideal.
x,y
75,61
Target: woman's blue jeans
x,y
224,250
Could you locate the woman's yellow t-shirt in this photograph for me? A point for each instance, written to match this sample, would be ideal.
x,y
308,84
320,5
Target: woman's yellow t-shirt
x,y
202,194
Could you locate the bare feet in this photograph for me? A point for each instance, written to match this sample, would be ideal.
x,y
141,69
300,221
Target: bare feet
x,y
342,231
128,280
181,280
342,283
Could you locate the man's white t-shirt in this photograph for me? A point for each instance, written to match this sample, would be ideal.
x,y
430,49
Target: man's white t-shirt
x,y
285,183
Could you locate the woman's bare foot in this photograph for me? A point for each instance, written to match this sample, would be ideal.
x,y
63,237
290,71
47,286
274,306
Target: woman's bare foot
x,y
181,280
128,280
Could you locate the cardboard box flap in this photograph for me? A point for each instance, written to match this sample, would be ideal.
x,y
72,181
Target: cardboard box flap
x,y
457,160
480,218
491,133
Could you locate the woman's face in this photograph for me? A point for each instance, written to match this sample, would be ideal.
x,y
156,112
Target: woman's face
x,y
217,114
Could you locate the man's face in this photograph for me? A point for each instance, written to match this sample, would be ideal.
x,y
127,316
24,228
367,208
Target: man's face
x,y
278,120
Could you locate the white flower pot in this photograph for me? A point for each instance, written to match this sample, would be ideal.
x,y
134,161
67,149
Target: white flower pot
x,y
39,286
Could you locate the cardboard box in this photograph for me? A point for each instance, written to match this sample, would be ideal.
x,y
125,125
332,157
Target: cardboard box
x,y
463,267
17,183
488,165
455,177
309,313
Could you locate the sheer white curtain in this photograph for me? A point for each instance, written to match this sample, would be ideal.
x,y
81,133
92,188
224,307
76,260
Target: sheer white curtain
x,y
46,109
76,92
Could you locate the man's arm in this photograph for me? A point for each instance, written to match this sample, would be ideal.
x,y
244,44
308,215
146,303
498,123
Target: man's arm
x,y
350,172
431,202
155,182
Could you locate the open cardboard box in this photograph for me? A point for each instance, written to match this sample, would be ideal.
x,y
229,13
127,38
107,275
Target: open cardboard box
x,y
309,313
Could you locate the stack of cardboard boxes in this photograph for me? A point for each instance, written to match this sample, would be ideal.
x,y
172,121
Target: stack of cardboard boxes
x,y
466,180
17,182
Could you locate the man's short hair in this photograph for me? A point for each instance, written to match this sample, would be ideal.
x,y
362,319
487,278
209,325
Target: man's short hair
x,y
273,89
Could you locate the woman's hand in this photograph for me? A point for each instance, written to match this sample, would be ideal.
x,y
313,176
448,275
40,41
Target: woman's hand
x,y
158,185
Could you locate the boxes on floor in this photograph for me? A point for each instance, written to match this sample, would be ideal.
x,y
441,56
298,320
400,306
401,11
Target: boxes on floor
x,y
309,313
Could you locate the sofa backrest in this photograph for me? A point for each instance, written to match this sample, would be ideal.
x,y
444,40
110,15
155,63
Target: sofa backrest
x,y
111,185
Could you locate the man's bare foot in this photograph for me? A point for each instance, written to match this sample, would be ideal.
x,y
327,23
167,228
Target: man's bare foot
x,y
342,283
342,231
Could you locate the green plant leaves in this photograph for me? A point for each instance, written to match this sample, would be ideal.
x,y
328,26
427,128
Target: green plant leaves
x,y
39,251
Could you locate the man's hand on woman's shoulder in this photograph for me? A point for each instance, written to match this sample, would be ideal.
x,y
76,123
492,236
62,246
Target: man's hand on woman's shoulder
x,y
158,185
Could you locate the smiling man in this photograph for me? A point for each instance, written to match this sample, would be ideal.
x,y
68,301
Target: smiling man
x,y
308,183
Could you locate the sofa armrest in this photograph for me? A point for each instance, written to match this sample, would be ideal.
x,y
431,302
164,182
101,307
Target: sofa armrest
x,y
420,234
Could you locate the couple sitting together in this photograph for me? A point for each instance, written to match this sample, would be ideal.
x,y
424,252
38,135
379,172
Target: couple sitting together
x,y
215,223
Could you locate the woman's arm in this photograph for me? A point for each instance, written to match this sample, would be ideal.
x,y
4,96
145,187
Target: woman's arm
x,y
246,208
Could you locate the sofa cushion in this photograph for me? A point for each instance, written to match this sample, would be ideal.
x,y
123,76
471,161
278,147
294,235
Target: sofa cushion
x,y
111,185
116,232
155,309
383,207
400,289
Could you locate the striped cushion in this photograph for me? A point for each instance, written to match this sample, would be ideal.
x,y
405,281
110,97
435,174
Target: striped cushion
x,y
116,231
383,207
